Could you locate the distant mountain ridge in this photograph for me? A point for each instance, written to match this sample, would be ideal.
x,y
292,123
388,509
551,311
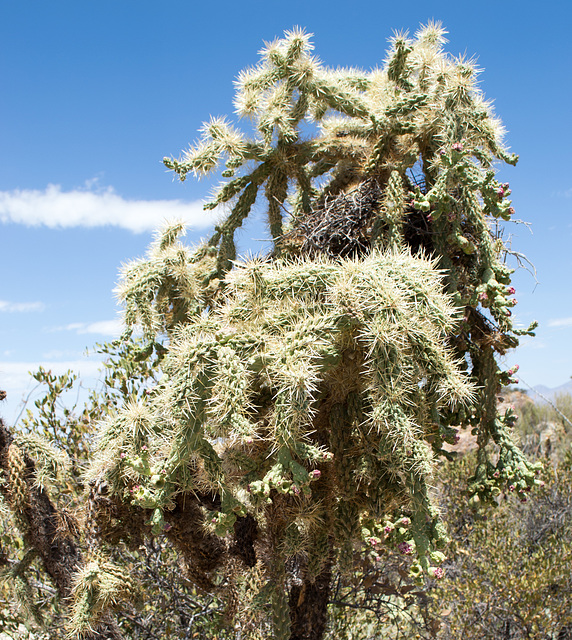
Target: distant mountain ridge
x,y
542,393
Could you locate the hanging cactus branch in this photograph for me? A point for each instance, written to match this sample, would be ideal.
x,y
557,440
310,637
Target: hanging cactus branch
x,y
261,393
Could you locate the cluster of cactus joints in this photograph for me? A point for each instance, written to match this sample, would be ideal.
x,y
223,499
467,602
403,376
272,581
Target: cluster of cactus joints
x,y
251,390
286,88
512,472
419,129
167,287
98,587
18,492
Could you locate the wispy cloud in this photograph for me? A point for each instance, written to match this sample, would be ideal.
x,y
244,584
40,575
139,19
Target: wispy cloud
x,y
88,208
566,193
60,354
103,327
527,342
560,322
20,307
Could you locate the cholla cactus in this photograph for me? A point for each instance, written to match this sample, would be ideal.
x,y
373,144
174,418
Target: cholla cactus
x,y
287,87
305,395
97,587
403,157
308,398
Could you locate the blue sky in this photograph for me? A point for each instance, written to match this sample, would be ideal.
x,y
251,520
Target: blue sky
x,y
95,94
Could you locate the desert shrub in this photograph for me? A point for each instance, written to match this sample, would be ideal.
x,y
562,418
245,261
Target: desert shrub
x,y
508,569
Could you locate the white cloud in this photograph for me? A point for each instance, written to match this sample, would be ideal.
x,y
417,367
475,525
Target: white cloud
x,y
567,193
529,342
20,307
84,208
560,322
60,354
103,327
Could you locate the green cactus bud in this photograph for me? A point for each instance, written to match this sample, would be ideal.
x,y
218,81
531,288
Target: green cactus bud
x,y
140,464
157,481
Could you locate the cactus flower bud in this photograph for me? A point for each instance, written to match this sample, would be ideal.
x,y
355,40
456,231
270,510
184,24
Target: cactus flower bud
x,y
436,572
315,474
405,548
457,146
